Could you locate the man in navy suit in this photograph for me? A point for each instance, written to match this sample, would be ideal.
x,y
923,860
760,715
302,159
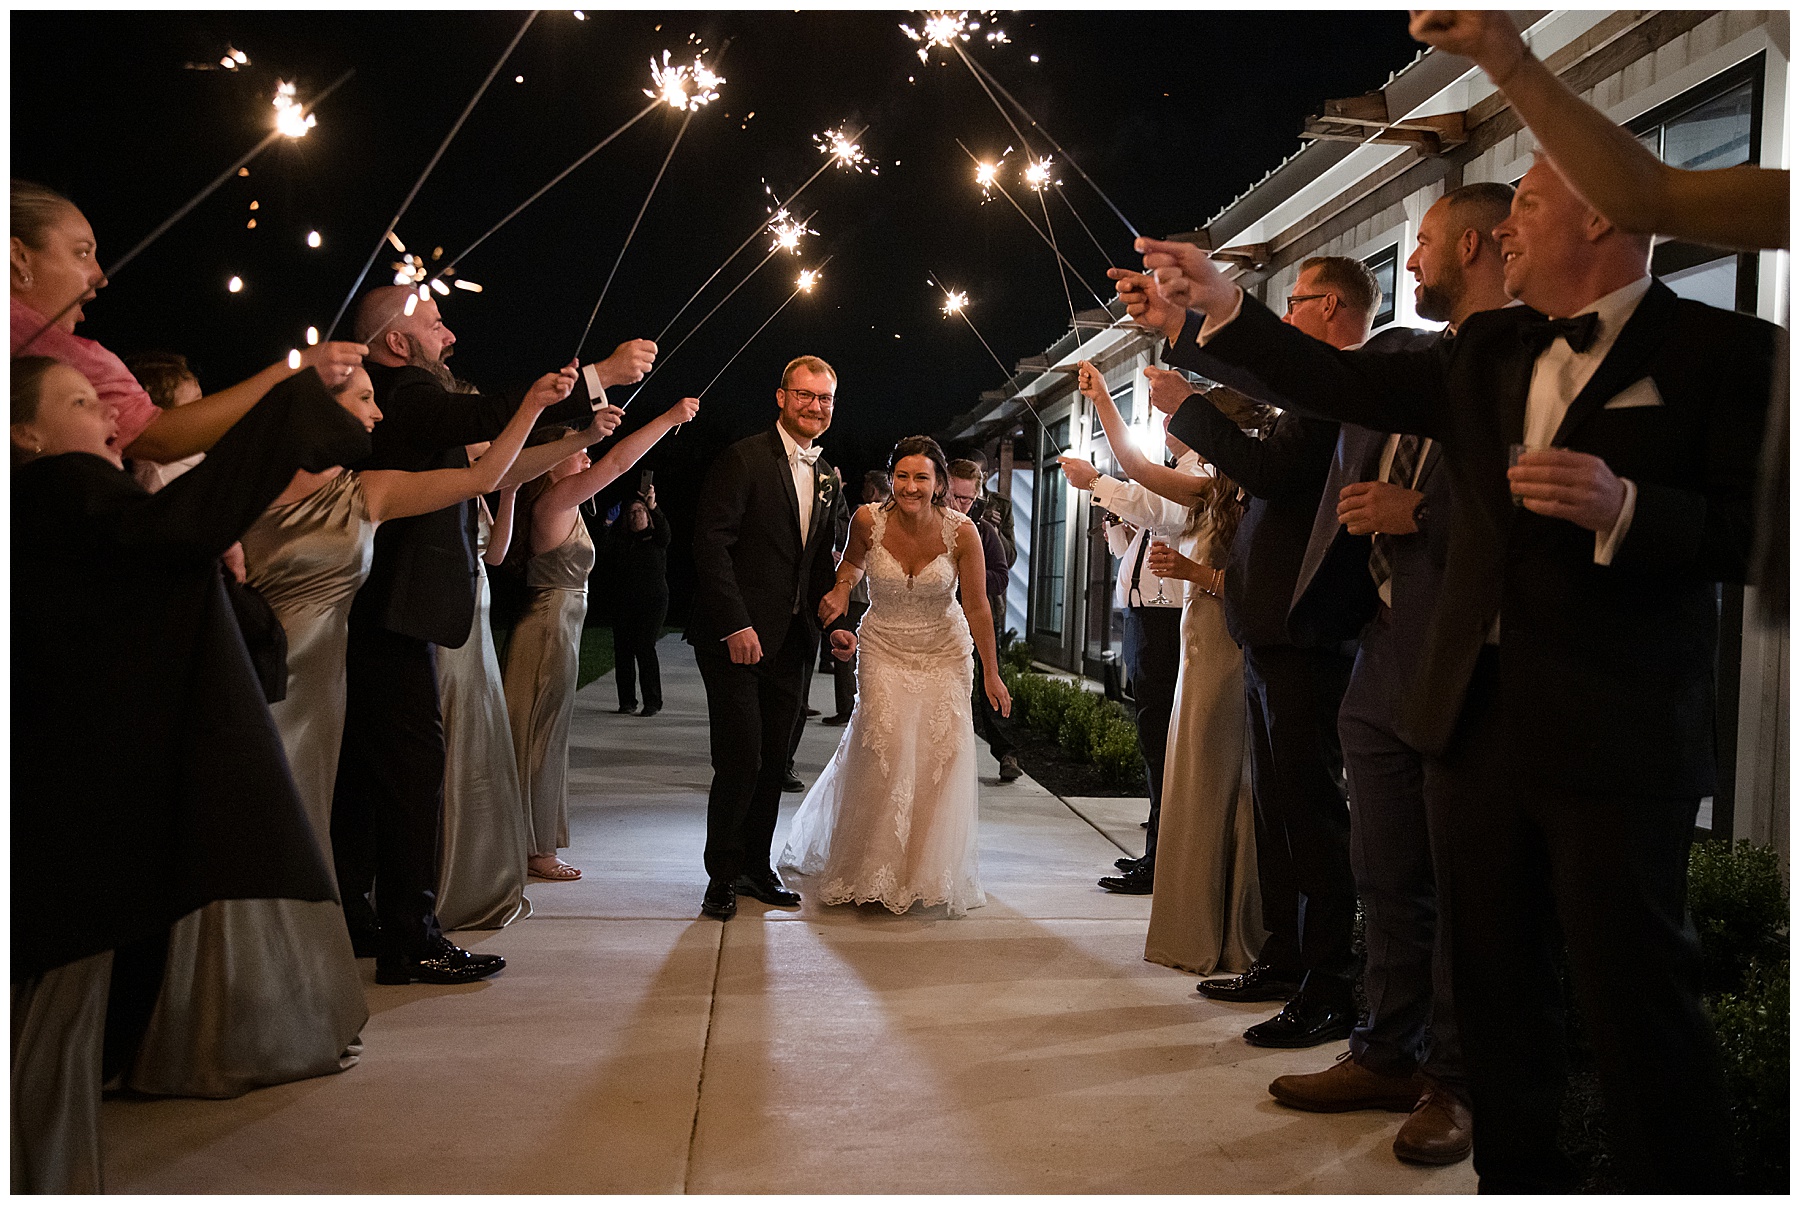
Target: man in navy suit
x,y
762,561
1373,568
1565,692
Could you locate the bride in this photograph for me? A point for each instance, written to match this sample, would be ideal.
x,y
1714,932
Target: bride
x,y
892,818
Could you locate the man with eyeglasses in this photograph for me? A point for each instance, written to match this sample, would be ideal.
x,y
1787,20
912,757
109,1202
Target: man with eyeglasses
x,y
965,493
762,555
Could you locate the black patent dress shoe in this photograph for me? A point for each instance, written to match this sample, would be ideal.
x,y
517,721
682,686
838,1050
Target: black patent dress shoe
x,y
1130,864
1132,882
768,888
445,964
792,783
648,711
720,901
1260,982
1304,1023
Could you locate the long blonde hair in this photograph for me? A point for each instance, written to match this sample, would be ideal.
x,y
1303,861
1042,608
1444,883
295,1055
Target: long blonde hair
x,y
1219,506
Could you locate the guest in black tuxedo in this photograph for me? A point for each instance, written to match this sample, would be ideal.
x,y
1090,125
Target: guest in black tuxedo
x,y
1565,694
762,560
964,495
639,563
1380,538
1293,689
420,593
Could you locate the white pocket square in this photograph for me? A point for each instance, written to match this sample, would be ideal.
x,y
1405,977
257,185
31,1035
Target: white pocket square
x,y
1641,393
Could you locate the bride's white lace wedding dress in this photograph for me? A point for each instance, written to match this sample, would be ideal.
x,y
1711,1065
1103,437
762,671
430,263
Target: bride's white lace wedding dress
x,y
892,818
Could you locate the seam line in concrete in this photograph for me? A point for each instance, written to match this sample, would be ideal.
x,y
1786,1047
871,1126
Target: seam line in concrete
x,y
1078,815
712,1003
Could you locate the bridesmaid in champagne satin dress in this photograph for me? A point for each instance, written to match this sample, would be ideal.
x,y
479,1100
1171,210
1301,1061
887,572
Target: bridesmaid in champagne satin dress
x,y
481,868
543,657
266,991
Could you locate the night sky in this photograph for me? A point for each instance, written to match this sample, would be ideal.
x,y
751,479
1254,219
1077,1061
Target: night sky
x,y
1173,113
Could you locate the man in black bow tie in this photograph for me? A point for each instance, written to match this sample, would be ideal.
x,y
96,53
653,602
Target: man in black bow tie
x,y
762,556
1564,697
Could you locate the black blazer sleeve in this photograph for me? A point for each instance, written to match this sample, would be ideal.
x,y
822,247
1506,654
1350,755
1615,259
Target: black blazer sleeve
x,y
1262,356
717,519
660,533
1293,458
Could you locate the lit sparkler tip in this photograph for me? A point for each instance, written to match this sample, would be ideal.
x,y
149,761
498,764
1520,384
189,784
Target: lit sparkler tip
x,y
842,148
683,87
1037,174
787,232
940,27
235,285
954,301
985,173
808,278
290,119
313,239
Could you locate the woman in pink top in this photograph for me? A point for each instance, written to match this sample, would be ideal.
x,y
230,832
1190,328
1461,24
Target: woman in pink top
x,y
55,270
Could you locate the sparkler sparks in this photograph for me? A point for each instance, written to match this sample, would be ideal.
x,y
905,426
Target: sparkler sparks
x,y
844,148
1037,174
312,336
985,174
290,119
313,240
808,278
787,232
941,27
954,301
235,285
470,285
412,303
682,87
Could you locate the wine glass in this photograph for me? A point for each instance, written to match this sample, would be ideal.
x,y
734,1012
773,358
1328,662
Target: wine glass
x,y
1168,534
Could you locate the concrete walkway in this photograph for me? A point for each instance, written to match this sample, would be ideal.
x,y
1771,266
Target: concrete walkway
x,y
631,1047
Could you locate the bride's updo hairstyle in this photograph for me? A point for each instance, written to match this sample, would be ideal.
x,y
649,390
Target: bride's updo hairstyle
x,y
921,445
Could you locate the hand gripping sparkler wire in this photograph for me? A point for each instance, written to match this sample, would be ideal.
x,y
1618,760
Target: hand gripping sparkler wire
x,y
282,129
429,167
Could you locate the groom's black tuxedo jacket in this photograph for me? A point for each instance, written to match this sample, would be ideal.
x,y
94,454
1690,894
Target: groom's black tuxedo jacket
x,y
751,568
423,579
1606,671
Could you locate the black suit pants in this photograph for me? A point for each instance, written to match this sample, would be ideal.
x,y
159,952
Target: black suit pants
x,y
1411,1021
1152,651
751,710
1302,821
389,800
637,626
1516,858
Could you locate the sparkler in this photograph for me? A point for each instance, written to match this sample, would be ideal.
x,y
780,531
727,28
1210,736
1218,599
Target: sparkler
x,y
290,119
676,92
990,179
809,277
663,358
941,27
238,168
1037,178
956,304
420,182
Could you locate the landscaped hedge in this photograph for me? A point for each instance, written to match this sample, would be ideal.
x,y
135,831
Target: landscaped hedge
x,y
1086,725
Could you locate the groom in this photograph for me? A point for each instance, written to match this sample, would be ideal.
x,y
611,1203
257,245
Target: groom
x,y
762,554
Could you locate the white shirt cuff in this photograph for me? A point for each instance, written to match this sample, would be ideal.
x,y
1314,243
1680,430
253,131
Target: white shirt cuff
x,y
1101,492
1606,543
590,374
1218,320
739,632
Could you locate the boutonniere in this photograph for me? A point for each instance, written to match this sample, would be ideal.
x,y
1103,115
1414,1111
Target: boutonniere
x,y
825,484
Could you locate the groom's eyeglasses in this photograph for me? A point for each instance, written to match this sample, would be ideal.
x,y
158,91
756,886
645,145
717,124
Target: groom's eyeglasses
x,y
807,397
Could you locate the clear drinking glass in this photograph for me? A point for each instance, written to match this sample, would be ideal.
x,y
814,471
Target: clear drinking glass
x,y
1167,534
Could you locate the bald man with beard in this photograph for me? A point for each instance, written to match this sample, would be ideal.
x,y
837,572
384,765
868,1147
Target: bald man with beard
x,y
420,594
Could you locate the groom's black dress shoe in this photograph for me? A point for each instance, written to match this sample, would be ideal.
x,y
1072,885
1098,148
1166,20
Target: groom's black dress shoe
x,y
1130,864
1305,1022
445,963
1260,982
791,783
1133,882
768,888
720,901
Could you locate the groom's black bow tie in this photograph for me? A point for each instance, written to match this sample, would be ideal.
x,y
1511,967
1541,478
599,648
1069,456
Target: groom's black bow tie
x,y
1578,332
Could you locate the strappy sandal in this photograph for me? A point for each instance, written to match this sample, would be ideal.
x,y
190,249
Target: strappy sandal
x,y
562,872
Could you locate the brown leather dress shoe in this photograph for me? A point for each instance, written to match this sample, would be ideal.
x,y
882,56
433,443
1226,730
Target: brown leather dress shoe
x,y
1346,1086
1439,1131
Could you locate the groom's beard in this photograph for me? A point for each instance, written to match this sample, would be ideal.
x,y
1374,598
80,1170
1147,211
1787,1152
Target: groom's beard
x,y
416,357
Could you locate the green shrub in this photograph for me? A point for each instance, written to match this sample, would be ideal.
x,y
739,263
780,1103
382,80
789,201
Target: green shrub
x,y
1024,688
1753,1034
1113,746
1048,705
1740,909
1075,732
1015,653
